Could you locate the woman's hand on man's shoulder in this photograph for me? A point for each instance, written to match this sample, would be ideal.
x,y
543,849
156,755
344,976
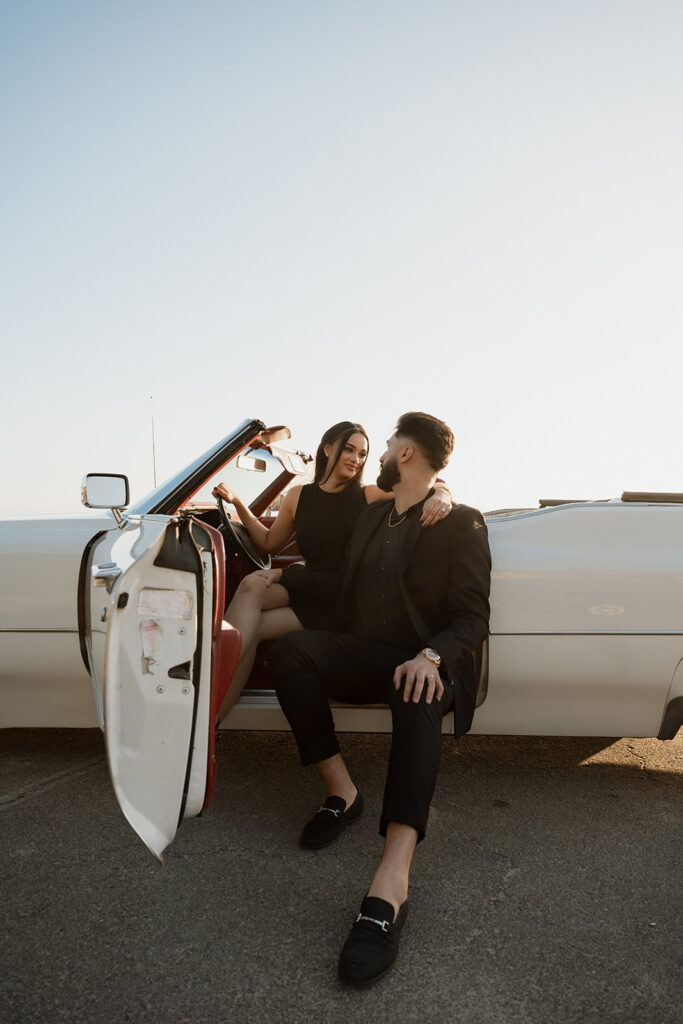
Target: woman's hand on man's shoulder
x,y
437,507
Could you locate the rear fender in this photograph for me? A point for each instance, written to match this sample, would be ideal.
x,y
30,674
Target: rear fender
x,y
672,719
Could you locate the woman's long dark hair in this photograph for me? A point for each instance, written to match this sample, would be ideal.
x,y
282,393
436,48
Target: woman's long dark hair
x,y
340,432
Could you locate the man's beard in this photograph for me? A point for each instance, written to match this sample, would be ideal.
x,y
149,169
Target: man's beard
x,y
389,475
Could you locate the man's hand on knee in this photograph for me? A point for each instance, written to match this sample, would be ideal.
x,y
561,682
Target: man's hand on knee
x,y
421,675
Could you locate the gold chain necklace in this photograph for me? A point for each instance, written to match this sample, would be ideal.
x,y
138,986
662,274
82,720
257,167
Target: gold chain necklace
x,y
391,512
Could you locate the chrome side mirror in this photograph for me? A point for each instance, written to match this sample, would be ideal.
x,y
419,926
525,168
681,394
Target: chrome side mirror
x,y
106,490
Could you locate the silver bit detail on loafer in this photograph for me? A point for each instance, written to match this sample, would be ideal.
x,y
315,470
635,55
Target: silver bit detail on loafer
x,y
384,925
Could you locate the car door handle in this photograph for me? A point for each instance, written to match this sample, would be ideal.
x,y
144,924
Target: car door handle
x,y
105,576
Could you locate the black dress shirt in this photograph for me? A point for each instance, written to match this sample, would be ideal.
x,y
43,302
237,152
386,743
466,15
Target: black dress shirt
x,y
380,610
441,581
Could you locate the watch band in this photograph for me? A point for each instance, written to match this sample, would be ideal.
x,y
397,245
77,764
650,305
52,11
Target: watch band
x,y
431,655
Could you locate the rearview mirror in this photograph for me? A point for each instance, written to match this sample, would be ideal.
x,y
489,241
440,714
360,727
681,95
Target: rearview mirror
x,y
105,490
251,464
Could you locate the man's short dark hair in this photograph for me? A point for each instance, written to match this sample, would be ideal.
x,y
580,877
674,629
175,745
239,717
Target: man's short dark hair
x,y
433,437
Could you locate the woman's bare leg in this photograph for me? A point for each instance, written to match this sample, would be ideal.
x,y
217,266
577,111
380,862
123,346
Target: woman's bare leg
x,y
276,622
251,598
259,613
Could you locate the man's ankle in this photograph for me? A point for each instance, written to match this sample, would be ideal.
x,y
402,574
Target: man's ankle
x,y
348,794
391,890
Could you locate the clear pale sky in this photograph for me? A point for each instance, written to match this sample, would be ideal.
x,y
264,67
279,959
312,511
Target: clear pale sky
x,y
308,212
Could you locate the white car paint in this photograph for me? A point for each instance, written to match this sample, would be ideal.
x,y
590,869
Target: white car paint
x,y
43,680
586,623
154,725
586,619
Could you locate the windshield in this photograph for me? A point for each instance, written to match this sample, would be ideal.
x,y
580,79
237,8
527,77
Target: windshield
x,y
247,476
166,498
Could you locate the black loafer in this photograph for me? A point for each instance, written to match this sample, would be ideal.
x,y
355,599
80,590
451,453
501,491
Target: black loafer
x,y
372,946
329,822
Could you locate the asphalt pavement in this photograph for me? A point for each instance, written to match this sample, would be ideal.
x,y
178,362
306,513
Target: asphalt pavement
x,y
548,890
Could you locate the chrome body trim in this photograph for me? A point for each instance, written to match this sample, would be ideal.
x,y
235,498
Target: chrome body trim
x,y
593,632
539,632
41,630
507,515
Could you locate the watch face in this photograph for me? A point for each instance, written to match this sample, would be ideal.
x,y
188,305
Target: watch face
x,y
432,655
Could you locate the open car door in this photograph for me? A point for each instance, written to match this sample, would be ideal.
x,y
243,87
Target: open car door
x,y
167,661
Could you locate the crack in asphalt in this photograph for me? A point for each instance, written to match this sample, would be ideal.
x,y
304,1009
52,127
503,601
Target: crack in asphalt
x,y
494,899
642,763
38,788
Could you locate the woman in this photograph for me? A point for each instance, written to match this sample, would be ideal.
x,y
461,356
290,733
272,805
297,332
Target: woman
x,y
271,602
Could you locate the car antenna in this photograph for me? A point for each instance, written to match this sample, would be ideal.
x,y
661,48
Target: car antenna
x,y
154,451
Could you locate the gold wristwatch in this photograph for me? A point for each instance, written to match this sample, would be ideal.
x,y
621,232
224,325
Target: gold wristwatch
x,y
431,655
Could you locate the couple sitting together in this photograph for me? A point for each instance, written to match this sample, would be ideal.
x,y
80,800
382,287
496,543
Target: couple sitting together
x,y
390,607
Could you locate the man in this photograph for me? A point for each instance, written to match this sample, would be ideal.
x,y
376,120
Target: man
x,y
414,607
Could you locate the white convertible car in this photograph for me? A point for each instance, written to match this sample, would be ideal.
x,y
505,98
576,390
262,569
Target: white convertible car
x,y
586,622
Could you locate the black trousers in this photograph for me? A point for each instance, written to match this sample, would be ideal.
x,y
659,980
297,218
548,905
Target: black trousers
x,y
311,666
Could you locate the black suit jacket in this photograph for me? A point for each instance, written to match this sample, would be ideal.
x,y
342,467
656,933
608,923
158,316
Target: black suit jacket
x,y
444,577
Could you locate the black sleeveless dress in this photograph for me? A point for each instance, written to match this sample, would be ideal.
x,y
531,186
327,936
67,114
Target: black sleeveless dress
x,y
323,522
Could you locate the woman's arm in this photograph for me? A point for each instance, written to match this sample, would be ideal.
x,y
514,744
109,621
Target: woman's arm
x,y
372,493
438,506
267,540
435,508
